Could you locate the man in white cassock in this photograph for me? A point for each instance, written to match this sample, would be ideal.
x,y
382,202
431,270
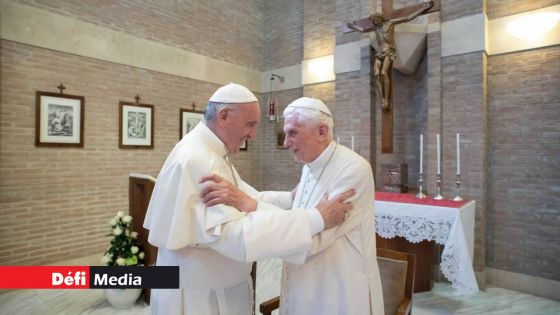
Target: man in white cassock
x,y
340,274
213,245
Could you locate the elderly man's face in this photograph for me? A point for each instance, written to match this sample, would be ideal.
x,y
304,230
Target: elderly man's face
x,y
302,140
242,125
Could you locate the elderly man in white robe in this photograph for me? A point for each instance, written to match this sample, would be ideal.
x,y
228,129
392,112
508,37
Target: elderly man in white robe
x,y
213,245
340,274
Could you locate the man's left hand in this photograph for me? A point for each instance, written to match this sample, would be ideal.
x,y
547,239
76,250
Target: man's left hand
x,y
220,191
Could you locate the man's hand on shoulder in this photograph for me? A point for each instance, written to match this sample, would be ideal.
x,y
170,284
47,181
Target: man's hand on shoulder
x,y
335,210
220,191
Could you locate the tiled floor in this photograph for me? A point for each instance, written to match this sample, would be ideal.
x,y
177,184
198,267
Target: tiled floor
x,y
493,301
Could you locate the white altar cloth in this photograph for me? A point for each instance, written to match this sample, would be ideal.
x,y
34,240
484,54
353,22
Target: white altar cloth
x,y
451,227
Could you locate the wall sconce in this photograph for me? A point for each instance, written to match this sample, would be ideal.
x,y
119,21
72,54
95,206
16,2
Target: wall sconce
x,y
534,26
522,31
272,101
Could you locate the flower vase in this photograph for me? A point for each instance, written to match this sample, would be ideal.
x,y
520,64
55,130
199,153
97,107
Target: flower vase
x,y
122,298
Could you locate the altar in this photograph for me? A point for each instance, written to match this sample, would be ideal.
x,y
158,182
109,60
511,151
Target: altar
x,y
446,222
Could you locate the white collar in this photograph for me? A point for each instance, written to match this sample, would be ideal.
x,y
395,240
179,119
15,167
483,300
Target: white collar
x,y
210,139
317,165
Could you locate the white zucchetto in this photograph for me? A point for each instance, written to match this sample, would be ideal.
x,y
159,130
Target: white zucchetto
x,y
311,103
233,93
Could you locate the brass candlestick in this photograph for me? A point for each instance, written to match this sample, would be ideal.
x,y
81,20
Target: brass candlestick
x,y
438,195
420,194
458,189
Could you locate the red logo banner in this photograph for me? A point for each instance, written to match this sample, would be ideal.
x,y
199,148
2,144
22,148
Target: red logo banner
x,y
44,277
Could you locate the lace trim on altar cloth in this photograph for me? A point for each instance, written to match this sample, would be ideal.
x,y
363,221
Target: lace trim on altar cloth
x,y
417,229
414,229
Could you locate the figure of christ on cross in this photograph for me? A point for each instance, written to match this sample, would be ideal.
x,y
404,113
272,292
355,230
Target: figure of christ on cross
x,y
384,45
382,26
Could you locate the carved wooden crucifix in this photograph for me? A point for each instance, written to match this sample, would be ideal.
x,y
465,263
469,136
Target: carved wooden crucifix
x,y
383,25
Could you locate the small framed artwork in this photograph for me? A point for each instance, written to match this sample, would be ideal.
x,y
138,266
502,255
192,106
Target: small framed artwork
x,y
243,146
59,119
189,120
136,125
280,140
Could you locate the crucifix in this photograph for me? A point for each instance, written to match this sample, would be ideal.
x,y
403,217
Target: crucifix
x,y
137,98
383,26
61,87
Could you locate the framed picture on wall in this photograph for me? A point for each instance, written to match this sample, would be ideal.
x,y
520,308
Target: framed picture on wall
x,y
59,119
189,120
243,146
136,125
280,140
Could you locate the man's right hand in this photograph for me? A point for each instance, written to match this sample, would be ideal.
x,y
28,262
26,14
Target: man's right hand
x,y
220,191
334,210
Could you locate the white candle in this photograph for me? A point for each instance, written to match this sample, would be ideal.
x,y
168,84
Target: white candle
x,y
458,155
438,154
337,140
352,143
421,152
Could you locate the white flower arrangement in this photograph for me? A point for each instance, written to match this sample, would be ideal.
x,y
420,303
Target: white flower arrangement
x,y
124,249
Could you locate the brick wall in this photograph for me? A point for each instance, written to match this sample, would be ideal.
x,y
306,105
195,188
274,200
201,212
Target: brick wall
x,y
433,121
227,30
524,172
283,46
464,111
411,95
318,28
282,33
56,202
499,8
456,9
279,171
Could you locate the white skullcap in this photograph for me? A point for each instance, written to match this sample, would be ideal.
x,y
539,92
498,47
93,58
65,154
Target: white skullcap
x,y
311,103
233,93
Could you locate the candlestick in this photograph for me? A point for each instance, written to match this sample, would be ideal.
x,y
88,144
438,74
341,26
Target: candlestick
x,y
458,189
438,195
421,153
352,143
420,194
438,154
458,155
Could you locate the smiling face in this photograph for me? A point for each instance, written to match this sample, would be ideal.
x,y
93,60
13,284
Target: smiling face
x,y
239,122
306,140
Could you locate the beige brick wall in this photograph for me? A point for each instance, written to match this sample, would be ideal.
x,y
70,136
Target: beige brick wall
x,y
499,8
456,9
524,172
433,121
227,30
56,202
282,33
464,111
279,171
318,28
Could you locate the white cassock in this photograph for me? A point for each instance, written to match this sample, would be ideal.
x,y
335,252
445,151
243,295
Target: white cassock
x,y
213,245
340,274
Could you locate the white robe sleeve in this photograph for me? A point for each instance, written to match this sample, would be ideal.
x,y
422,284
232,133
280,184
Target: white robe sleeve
x,y
281,199
266,234
177,217
356,176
